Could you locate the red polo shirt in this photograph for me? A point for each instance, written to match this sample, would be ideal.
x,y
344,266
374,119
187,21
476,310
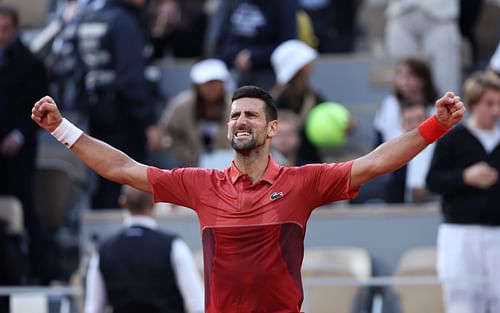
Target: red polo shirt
x,y
253,234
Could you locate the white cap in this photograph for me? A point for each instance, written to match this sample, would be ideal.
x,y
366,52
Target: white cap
x,y
495,60
289,58
207,70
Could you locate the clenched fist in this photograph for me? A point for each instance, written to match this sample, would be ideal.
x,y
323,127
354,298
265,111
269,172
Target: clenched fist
x,y
46,114
449,110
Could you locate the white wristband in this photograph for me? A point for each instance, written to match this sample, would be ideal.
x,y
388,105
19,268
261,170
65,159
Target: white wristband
x,y
67,133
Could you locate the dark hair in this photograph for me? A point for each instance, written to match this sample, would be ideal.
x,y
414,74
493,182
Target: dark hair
x,y
200,105
258,93
136,201
10,11
407,103
422,70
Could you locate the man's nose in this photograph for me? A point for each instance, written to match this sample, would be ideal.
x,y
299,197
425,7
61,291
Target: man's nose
x,y
241,120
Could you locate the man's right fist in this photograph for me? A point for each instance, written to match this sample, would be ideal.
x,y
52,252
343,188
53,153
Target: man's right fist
x,y
46,114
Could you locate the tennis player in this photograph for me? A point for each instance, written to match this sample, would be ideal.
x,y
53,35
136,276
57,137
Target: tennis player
x,y
253,214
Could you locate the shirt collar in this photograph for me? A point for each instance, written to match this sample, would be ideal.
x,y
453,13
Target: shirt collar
x,y
270,174
140,220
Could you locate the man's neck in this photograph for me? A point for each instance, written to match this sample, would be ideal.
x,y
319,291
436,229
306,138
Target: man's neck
x,y
253,164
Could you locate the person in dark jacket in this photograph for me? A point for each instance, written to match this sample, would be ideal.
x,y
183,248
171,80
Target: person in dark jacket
x,y
251,30
464,170
23,79
112,43
178,28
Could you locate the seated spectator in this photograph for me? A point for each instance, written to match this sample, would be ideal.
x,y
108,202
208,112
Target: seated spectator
x,y
287,139
178,28
293,63
194,121
248,33
413,80
142,269
427,29
407,184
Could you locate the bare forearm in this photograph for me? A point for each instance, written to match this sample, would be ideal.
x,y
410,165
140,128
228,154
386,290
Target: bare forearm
x,y
395,153
110,162
107,161
387,157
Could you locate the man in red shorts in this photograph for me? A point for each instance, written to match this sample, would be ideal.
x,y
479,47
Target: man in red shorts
x,y
253,215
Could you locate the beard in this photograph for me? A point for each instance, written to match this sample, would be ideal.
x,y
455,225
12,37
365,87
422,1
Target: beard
x,y
245,145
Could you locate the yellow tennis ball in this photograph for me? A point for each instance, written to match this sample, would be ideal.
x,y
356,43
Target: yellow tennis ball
x,y
326,125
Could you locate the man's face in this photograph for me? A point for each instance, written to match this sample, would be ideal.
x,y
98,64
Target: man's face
x,y
7,30
247,127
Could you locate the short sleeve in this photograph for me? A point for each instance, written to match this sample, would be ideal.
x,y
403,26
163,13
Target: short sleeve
x,y
326,183
179,186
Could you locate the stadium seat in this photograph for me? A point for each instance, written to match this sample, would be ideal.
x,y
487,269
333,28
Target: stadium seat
x,y
54,192
417,262
11,211
335,262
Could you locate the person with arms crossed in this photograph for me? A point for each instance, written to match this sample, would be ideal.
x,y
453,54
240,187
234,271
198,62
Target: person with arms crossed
x,y
252,215
142,269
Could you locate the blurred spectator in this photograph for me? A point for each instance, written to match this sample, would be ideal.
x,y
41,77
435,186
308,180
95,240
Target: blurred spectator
x,y
412,83
464,170
112,44
246,34
287,139
413,80
63,61
194,122
334,23
178,28
407,184
23,80
470,10
142,269
427,28
293,63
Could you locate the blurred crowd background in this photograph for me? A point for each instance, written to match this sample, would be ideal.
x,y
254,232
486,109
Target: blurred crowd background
x,y
154,78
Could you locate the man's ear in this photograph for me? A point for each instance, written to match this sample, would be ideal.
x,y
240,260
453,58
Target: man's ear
x,y
272,128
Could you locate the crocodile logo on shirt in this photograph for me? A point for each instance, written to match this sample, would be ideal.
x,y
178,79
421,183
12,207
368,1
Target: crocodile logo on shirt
x,y
276,195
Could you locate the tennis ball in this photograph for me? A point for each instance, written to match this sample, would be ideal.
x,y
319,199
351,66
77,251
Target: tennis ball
x,y
326,125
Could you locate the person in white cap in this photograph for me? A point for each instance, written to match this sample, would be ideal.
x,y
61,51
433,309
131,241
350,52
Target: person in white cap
x,y
194,120
293,64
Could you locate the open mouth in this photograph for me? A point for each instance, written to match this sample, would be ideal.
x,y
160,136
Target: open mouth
x,y
242,134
